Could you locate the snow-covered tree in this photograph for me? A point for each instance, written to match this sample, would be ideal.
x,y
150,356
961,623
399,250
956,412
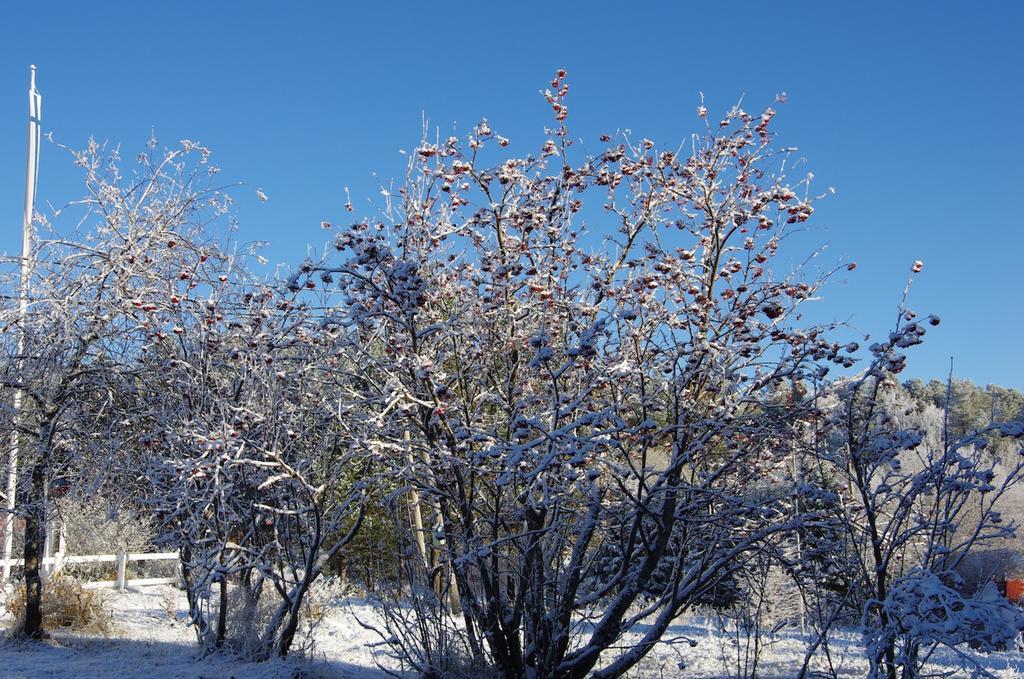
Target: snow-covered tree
x,y
585,384
251,462
915,501
95,291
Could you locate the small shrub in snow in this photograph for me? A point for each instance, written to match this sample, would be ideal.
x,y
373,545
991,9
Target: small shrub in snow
x,y
65,604
923,612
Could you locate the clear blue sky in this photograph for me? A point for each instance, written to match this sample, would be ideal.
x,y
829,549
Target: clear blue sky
x,y
910,110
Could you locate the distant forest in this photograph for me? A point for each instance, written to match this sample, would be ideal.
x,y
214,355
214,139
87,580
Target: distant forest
x,y
970,407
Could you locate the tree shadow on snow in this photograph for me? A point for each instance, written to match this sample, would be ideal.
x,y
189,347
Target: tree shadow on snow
x,y
71,655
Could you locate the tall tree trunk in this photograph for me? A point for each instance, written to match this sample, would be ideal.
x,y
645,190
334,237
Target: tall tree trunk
x,y
35,536
222,615
291,625
195,610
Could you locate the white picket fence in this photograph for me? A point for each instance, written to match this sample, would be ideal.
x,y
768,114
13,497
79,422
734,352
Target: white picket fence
x,y
54,564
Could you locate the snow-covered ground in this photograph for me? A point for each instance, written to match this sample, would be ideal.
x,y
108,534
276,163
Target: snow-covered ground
x,y
148,642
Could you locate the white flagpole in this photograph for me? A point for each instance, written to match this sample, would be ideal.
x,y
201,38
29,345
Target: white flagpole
x,y
35,102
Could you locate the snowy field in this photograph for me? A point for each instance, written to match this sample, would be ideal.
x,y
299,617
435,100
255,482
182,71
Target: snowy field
x,y
147,642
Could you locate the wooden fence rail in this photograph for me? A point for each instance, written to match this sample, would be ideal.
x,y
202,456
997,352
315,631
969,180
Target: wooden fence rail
x,y
54,564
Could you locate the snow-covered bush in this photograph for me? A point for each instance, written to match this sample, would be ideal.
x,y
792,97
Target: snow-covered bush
x,y
249,616
250,462
922,612
559,399
915,502
422,634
